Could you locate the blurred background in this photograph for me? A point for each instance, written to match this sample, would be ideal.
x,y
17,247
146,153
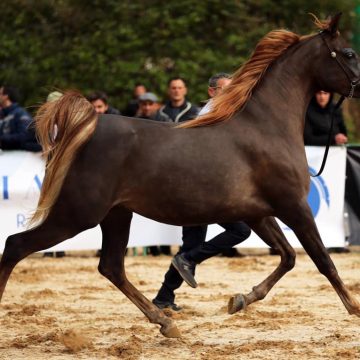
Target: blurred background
x,y
112,45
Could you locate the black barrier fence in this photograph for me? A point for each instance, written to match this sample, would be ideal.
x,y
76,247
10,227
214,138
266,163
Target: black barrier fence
x,y
352,194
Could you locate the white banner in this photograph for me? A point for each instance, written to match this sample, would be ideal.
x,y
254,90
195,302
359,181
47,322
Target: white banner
x,y
21,175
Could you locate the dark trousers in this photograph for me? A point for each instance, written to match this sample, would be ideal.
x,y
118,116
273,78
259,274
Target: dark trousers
x,y
195,248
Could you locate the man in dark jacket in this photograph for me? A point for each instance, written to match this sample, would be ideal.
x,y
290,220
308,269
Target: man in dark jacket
x,y
16,132
101,104
177,108
318,119
317,127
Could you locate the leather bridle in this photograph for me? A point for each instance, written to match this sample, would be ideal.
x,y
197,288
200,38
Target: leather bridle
x,y
353,81
353,84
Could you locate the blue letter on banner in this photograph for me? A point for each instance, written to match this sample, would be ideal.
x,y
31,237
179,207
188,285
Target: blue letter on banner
x,y
38,182
5,188
21,220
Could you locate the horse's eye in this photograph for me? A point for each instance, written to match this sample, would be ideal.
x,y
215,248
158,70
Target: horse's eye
x,y
349,53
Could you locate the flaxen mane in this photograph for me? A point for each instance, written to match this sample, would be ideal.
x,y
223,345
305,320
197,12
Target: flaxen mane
x,y
238,92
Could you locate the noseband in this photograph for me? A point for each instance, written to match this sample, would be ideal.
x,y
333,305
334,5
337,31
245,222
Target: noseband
x,y
353,84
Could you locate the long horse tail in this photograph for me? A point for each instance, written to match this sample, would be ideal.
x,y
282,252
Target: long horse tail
x,y
62,127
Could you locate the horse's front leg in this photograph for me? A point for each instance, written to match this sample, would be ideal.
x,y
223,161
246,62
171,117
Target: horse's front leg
x,y
115,229
269,231
301,221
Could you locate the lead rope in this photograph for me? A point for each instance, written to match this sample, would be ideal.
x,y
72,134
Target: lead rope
x,y
353,84
340,101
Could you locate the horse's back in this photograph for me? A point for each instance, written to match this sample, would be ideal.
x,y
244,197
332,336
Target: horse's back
x,y
120,123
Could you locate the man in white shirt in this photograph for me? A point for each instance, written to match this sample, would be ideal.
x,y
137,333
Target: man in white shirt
x,y
216,84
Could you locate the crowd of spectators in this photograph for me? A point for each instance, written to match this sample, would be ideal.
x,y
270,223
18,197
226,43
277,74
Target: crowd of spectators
x,y
17,131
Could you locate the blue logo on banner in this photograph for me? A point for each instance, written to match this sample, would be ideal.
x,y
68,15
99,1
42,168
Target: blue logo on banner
x,y
318,192
5,186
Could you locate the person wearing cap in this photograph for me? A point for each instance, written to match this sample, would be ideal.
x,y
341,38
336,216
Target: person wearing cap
x,y
101,105
148,106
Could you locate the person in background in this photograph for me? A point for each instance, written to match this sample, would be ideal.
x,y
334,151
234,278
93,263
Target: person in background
x,y
16,128
195,249
177,108
216,84
148,106
100,102
318,119
101,105
133,105
317,127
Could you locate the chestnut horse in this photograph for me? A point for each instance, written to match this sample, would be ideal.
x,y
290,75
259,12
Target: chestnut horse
x,y
247,164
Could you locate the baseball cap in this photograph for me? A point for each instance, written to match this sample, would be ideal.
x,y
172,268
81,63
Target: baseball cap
x,y
148,96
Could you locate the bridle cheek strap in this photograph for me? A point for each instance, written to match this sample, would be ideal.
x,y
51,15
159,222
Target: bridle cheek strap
x,y
353,81
353,84
328,143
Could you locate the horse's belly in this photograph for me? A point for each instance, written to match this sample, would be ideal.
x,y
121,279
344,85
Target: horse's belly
x,y
203,211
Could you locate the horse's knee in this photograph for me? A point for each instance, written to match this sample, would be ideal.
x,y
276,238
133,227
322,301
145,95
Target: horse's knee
x,y
103,269
114,275
288,260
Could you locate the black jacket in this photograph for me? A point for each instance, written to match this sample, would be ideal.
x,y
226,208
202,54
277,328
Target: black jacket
x,y
16,129
112,111
317,124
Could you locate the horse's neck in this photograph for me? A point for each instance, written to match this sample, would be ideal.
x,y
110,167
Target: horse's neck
x,y
288,85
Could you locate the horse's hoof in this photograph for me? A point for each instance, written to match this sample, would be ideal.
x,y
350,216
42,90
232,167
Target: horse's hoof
x,y
236,303
355,311
170,331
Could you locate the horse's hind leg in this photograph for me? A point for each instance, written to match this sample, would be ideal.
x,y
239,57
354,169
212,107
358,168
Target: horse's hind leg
x,y
301,221
271,234
115,229
52,231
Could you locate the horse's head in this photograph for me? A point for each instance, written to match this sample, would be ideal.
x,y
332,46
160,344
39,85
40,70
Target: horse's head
x,y
338,67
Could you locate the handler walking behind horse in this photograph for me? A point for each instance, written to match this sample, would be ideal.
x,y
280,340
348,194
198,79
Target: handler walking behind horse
x,y
195,249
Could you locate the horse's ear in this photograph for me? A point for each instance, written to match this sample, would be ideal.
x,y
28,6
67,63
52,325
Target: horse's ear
x,y
333,24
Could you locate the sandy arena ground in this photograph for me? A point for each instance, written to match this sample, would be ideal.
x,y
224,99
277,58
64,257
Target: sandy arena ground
x,y
64,309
